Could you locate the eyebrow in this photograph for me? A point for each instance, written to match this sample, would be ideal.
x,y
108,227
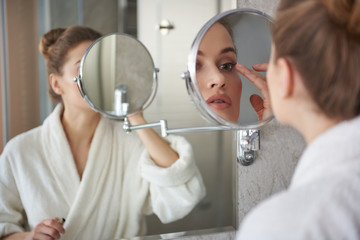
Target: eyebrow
x,y
224,50
228,49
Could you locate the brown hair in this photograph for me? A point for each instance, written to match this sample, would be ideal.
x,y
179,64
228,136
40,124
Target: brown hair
x,y
55,44
322,39
226,24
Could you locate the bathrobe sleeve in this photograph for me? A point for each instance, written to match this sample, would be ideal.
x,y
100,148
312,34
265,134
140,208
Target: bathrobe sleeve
x,y
12,213
174,191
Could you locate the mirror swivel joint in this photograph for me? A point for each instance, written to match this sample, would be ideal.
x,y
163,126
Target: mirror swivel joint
x,y
248,142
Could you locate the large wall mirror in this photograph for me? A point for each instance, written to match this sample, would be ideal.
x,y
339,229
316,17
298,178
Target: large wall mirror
x,y
106,65
167,33
144,19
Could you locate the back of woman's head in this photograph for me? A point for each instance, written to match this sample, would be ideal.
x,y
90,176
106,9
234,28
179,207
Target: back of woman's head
x,y
322,39
55,44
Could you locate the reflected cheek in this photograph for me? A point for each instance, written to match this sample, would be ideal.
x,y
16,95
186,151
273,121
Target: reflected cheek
x,y
201,79
240,90
240,85
236,89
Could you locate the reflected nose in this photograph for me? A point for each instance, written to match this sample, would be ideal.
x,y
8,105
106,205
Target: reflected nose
x,y
217,80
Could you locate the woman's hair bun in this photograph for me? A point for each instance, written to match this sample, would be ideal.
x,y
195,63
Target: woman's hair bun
x,y
48,40
345,13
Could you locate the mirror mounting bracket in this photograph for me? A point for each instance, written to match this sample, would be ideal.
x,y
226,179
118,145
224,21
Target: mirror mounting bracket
x,y
248,142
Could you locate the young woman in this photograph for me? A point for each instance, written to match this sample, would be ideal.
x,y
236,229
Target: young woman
x,y
82,167
314,84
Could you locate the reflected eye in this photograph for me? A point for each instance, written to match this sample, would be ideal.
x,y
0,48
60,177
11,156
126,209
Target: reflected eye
x,y
227,66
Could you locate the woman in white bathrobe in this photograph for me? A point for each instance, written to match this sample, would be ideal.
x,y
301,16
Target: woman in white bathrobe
x,y
82,167
314,84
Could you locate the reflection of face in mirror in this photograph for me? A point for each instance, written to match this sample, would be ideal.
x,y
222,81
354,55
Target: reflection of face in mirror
x,y
102,181
230,54
219,82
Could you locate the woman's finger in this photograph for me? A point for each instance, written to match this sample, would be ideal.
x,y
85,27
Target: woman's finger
x,y
43,231
256,78
261,67
262,106
48,229
257,103
55,223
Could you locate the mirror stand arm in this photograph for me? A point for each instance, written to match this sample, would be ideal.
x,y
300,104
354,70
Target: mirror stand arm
x,y
165,131
128,128
248,142
198,129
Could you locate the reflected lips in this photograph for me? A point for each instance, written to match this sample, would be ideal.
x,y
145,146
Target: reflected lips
x,y
219,101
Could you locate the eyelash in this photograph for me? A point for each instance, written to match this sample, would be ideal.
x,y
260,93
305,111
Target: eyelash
x,y
221,67
229,64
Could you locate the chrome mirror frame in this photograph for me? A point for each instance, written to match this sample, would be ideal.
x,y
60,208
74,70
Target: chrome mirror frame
x,y
190,75
248,136
80,80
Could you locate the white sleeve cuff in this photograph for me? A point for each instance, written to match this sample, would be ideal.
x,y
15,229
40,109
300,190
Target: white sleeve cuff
x,y
178,173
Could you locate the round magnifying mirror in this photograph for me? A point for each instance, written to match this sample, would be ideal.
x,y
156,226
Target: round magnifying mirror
x,y
117,76
218,90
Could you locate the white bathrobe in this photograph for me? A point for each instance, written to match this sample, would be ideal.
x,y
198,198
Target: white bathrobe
x,y
323,199
120,183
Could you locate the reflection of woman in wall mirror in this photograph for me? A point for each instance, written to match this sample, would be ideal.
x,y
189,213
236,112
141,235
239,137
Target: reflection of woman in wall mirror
x,y
82,167
217,74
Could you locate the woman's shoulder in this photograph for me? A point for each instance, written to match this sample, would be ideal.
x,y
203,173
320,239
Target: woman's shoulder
x,y
24,142
304,210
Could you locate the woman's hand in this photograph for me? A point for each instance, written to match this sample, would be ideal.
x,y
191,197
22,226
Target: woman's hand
x,y
47,229
262,106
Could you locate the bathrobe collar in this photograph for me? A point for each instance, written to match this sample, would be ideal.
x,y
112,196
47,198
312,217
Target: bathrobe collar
x,y
57,150
333,151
